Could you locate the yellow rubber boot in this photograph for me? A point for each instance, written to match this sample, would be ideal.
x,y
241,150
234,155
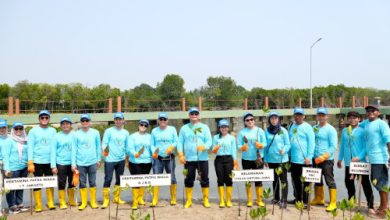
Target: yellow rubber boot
x,y
71,200
135,194
221,192
333,199
173,194
155,196
229,194
249,195
141,192
106,197
84,198
117,195
50,198
92,193
62,199
189,197
205,191
259,196
318,196
38,201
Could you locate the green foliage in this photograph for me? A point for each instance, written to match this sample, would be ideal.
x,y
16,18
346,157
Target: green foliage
x,y
279,171
185,172
267,193
134,215
358,216
256,213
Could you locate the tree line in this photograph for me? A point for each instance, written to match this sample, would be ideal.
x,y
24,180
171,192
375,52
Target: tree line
x,y
219,93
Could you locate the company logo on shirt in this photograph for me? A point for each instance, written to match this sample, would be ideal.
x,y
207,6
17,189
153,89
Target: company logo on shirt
x,y
44,142
118,141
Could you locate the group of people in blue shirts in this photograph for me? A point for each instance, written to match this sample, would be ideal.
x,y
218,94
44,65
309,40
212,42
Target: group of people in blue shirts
x,y
75,156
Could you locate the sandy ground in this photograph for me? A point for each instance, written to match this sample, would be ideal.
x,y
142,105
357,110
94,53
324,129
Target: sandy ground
x,y
165,211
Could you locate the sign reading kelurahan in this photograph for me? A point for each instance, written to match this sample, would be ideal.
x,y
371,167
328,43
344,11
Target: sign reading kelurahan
x,y
253,175
359,168
146,180
30,182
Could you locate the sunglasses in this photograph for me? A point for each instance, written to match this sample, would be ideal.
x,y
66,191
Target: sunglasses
x,y
44,118
143,125
194,113
84,120
163,119
18,129
249,119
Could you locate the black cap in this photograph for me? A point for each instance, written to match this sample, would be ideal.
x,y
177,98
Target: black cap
x,y
376,107
353,114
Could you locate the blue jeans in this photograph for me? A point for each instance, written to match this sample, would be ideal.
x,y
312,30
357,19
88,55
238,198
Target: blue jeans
x,y
109,168
91,172
15,197
169,166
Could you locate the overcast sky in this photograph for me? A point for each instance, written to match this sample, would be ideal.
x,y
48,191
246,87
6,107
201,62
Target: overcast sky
x,y
257,43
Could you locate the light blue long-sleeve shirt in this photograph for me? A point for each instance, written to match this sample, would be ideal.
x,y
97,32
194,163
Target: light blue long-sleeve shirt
x,y
253,135
3,141
302,141
281,142
117,142
228,145
326,140
377,135
163,139
86,148
11,160
352,145
40,143
188,141
61,152
136,142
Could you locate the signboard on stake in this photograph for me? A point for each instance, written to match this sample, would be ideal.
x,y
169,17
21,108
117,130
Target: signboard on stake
x,y
146,180
265,175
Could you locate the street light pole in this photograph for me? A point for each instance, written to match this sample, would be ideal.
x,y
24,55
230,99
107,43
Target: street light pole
x,y
311,86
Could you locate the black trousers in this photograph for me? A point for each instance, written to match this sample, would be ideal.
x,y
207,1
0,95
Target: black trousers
x,y
203,169
64,173
140,168
327,172
283,183
42,170
251,165
296,173
223,167
366,184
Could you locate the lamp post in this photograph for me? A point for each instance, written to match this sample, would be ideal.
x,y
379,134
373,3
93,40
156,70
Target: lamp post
x,y
311,86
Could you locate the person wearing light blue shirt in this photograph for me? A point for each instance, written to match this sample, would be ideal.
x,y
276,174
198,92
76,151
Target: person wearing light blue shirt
x,y
352,145
194,142
86,155
276,156
3,141
225,148
114,145
377,136
325,146
61,162
301,152
140,154
251,141
40,142
14,153
164,142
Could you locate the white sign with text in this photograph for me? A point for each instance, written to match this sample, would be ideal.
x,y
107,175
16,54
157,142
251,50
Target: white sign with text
x,y
312,175
359,168
30,183
253,175
146,180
